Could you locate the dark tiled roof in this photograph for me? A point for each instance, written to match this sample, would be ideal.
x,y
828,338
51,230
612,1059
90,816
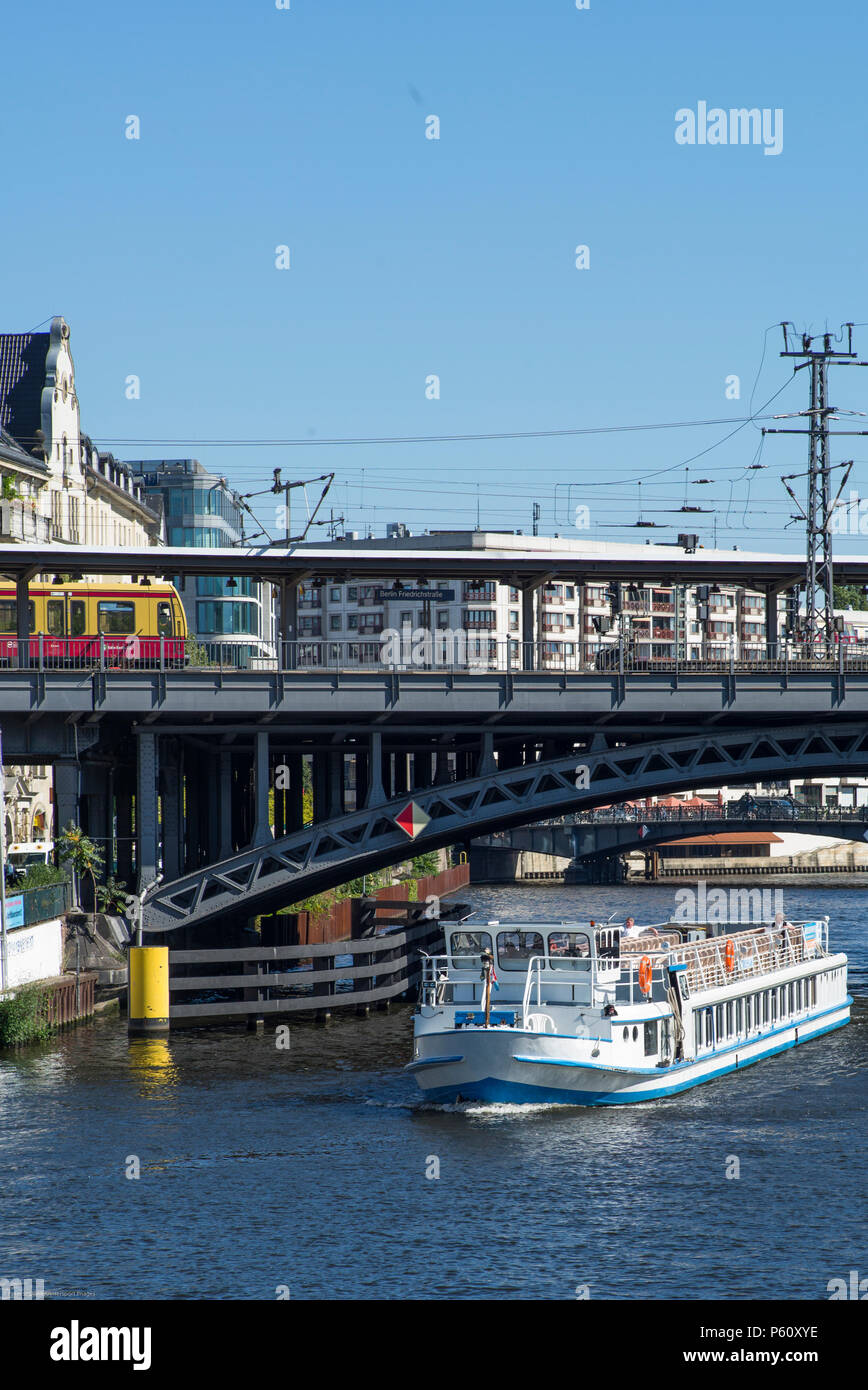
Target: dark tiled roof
x,y
22,378
12,452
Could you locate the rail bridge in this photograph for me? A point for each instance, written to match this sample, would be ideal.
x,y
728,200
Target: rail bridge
x,y
197,773
212,760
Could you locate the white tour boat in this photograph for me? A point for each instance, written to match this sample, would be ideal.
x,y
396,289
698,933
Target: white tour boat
x,y
579,1013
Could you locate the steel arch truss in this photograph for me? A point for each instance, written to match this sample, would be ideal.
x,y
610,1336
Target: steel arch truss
x,y
333,851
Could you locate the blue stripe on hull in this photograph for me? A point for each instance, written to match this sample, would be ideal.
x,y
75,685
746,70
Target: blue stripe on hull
x,y
524,1093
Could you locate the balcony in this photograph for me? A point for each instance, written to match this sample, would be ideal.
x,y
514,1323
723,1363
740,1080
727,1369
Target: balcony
x,y
663,634
20,522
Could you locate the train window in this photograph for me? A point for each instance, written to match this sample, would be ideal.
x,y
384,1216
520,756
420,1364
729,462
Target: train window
x,y
515,948
117,619
55,618
77,620
9,615
164,620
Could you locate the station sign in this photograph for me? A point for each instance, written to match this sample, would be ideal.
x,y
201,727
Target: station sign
x,y
416,595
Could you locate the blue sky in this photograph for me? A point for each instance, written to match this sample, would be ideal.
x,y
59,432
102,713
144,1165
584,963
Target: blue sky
x,y
456,257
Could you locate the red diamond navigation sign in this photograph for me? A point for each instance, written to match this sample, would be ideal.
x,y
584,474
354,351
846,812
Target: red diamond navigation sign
x,y
412,819
642,831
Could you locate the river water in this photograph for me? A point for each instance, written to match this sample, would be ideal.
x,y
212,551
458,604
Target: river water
x,y
305,1169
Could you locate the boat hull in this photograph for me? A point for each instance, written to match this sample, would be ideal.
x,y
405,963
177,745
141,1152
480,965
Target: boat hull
x,y
510,1066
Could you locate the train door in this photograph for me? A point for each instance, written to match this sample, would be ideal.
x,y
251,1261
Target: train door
x,y
54,639
76,626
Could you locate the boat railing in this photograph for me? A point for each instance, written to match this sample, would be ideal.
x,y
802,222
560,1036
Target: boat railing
x,y
535,967
764,951
439,972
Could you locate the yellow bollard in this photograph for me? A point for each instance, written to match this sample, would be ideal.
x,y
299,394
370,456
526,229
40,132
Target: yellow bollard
x,y
149,990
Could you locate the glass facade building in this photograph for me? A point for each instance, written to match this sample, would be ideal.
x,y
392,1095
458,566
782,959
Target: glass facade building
x,y
232,618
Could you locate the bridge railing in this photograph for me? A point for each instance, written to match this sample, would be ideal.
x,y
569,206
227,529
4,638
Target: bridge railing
x,y
769,810
376,650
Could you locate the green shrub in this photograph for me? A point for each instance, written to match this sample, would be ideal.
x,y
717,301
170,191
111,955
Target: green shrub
x,y
39,876
23,1017
425,864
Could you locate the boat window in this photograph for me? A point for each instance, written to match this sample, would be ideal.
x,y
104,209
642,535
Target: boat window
x,y
626,1034
515,948
729,1019
569,950
635,1034
748,1014
116,619
470,943
651,1038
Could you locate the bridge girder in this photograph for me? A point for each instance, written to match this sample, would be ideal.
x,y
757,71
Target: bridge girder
x,y
332,851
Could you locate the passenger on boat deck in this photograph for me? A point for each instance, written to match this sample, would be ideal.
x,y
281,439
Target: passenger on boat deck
x,y
630,929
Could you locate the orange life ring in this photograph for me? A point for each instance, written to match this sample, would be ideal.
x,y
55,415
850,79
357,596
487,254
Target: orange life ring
x,y
729,953
645,974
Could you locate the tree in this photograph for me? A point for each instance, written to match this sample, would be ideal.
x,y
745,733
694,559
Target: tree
x,y
83,855
851,596
112,896
425,864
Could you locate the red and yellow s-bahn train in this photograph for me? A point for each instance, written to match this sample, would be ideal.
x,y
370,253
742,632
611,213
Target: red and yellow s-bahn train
x,y
73,624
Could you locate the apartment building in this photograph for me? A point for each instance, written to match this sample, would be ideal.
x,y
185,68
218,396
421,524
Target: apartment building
x,y
481,622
